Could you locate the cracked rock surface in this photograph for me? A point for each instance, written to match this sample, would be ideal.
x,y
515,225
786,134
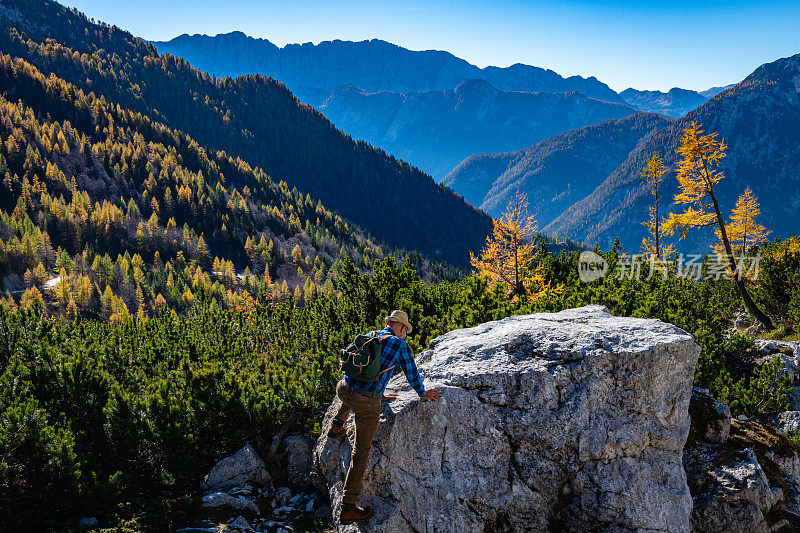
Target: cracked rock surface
x,y
553,421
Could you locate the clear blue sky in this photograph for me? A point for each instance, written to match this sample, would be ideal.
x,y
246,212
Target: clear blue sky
x,y
642,44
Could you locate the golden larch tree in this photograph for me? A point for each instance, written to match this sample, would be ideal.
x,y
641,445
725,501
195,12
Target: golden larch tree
x,y
698,172
743,231
653,173
507,256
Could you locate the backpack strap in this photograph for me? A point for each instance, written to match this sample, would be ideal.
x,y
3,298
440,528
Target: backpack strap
x,y
386,370
381,339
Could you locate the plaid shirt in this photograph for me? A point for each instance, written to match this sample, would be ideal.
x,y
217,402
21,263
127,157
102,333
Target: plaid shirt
x,y
394,351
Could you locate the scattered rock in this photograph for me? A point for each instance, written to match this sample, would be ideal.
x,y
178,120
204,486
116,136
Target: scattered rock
x,y
88,523
711,419
788,421
742,418
283,495
241,524
245,467
749,484
770,346
730,489
299,461
285,510
567,421
223,500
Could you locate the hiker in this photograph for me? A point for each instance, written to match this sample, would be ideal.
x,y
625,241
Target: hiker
x,y
364,399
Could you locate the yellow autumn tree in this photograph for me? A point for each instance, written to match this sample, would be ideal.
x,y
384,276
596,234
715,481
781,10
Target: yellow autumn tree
x,y
698,172
743,231
653,173
507,256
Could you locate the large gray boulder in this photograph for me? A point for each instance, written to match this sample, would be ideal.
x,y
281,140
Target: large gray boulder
x,y
566,421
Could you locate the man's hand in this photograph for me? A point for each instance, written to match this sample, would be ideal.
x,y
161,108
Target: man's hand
x,y
432,394
389,397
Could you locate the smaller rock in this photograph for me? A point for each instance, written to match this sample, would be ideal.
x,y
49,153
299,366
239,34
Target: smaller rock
x,y
296,500
285,510
788,421
282,495
241,524
245,467
730,490
710,418
222,500
742,418
299,460
770,346
88,523
324,513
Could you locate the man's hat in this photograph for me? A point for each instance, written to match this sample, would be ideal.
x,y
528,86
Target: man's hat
x,y
399,316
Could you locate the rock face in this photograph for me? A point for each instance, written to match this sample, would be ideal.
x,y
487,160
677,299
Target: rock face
x,y
567,421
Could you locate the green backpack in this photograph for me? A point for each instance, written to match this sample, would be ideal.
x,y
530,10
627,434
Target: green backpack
x,y
361,360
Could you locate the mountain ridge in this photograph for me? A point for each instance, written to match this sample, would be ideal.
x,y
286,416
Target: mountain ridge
x,y
759,119
435,130
674,103
353,62
555,172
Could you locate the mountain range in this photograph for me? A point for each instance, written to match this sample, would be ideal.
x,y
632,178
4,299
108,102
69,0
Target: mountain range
x,y
585,184
437,129
674,103
759,119
427,107
556,172
312,72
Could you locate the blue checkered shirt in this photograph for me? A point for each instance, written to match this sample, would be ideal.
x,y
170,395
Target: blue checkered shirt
x,y
394,351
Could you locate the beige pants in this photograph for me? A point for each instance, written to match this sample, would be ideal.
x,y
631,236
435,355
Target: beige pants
x,y
367,413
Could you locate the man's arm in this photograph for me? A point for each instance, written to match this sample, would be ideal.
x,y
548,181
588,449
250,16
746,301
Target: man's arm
x,y
406,362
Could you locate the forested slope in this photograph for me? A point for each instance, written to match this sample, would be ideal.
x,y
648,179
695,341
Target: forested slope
x,y
252,117
129,211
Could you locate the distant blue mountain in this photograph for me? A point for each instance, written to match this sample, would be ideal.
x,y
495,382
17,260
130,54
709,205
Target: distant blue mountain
x,y
675,103
714,91
312,72
554,173
435,130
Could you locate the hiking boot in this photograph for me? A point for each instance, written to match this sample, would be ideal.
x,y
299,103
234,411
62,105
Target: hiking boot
x,y
353,513
337,429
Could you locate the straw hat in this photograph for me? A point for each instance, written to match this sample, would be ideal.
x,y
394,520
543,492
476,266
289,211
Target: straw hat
x,y
399,316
